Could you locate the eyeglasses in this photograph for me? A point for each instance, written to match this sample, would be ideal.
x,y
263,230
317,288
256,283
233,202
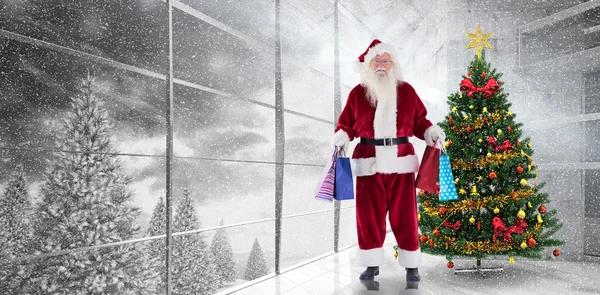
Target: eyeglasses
x,y
384,62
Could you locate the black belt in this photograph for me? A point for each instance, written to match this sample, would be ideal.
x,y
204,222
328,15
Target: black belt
x,y
386,141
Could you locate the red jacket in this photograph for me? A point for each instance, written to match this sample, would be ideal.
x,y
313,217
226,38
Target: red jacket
x,y
360,119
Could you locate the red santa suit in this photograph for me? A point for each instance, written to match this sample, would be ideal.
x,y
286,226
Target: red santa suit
x,y
385,174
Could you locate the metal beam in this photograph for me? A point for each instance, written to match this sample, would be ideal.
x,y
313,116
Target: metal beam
x,y
279,137
337,109
169,149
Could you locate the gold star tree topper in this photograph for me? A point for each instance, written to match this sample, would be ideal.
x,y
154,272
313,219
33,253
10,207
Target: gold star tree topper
x,y
479,40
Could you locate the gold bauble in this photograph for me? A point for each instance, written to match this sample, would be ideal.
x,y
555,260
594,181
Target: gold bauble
x,y
523,182
496,210
472,219
523,245
484,110
521,214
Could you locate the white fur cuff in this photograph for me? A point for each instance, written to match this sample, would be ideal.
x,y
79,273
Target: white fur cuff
x,y
371,257
409,259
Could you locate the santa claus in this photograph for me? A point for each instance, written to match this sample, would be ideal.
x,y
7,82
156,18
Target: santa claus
x,y
383,111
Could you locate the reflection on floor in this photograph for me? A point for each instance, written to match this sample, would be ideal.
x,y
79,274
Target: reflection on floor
x,y
337,274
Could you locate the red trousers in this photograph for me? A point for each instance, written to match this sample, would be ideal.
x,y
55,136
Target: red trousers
x,y
376,196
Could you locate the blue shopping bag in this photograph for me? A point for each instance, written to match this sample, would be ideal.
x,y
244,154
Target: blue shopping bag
x,y
344,184
447,187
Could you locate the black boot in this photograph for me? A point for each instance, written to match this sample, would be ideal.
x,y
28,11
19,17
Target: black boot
x,y
370,273
412,278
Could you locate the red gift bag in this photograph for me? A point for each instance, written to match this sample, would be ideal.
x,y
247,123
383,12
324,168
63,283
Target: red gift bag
x,y
429,170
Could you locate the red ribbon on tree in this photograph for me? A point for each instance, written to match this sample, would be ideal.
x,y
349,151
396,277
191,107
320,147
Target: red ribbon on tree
x,y
505,146
500,229
490,88
454,226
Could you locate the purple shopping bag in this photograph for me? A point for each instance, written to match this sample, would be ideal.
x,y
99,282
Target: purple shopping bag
x,y
326,185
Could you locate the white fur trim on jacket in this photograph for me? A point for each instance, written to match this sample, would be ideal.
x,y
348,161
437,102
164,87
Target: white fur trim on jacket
x,y
371,257
370,166
409,259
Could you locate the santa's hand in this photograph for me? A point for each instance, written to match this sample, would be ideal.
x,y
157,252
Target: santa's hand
x,y
339,139
434,136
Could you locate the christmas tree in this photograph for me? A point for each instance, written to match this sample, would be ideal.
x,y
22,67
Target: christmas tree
x,y
85,201
257,265
193,265
501,209
15,232
156,249
223,255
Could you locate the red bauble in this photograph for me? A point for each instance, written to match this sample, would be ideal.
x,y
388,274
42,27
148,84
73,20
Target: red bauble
x,y
531,242
518,143
483,74
519,169
450,264
421,193
556,252
430,243
437,233
509,129
469,74
542,209
423,238
443,210
478,225
469,129
492,175
450,120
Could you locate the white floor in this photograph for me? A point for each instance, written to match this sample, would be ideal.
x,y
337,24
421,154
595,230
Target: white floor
x,y
337,274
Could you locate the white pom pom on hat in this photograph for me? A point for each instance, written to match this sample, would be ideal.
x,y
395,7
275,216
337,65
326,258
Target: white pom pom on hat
x,y
376,47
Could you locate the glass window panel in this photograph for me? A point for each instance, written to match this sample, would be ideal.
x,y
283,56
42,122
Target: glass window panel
x,y
37,87
592,187
348,236
221,60
241,240
131,32
232,191
592,92
548,143
307,140
592,141
305,237
254,18
207,125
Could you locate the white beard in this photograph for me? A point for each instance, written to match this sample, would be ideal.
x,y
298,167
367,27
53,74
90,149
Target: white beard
x,y
379,88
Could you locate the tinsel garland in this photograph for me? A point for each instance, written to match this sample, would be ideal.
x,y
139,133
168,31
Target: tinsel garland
x,y
497,159
485,246
478,123
471,205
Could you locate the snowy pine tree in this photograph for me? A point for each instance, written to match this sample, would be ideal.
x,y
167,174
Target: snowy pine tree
x,y
257,264
193,265
156,249
223,255
15,232
85,202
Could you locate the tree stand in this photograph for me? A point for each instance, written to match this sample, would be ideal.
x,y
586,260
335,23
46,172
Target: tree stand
x,y
478,269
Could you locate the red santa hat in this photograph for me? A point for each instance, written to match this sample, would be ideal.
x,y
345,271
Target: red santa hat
x,y
376,47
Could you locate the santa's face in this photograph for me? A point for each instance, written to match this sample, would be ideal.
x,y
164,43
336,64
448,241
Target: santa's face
x,y
381,64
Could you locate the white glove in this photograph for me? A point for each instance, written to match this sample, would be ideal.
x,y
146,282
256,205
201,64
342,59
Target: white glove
x,y
435,136
339,139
